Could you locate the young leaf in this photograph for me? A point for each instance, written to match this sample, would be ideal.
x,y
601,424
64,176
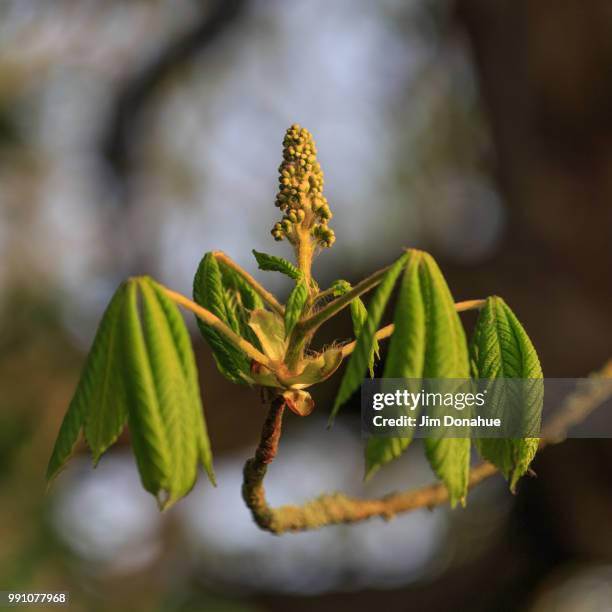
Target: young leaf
x,y
233,303
359,314
172,392
358,361
500,349
241,299
272,263
149,437
92,394
249,298
427,342
270,331
406,356
208,292
141,366
165,417
107,413
446,356
184,349
295,305
316,370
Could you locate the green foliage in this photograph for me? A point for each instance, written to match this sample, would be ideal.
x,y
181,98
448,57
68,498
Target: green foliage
x,y
359,314
141,366
234,282
99,401
358,362
295,305
446,356
501,349
405,358
269,328
141,369
427,342
209,292
271,263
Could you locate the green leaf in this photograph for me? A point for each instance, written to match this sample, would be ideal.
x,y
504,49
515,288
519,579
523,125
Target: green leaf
x,y
500,348
149,436
359,314
358,361
249,298
272,263
295,305
99,392
172,393
316,370
184,349
405,358
446,356
241,299
428,342
208,292
107,414
269,328
165,417
241,316
141,366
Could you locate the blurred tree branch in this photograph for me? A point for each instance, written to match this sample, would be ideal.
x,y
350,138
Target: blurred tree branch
x,y
132,99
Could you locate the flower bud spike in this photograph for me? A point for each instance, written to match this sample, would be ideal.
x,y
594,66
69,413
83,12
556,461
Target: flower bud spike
x,y
300,197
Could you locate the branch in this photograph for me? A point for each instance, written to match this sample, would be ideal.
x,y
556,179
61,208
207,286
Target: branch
x,y
260,289
133,100
338,508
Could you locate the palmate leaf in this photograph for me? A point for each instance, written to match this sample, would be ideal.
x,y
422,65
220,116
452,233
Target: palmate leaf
x,y
358,362
501,349
209,292
142,349
359,314
295,305
427,342
271,263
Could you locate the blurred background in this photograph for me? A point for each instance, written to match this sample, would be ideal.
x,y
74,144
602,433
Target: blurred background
x,y
135,136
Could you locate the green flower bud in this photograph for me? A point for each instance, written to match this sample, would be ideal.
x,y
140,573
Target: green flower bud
x,y
301,188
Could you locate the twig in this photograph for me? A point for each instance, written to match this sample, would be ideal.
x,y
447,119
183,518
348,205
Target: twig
x,y
339,508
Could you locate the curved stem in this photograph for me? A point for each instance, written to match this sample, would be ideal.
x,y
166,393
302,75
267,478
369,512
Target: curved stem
x,y
331,509
210,319
260,289
387,330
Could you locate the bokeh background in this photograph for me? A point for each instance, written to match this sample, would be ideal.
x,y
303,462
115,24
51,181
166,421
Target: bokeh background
x,y
135,136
